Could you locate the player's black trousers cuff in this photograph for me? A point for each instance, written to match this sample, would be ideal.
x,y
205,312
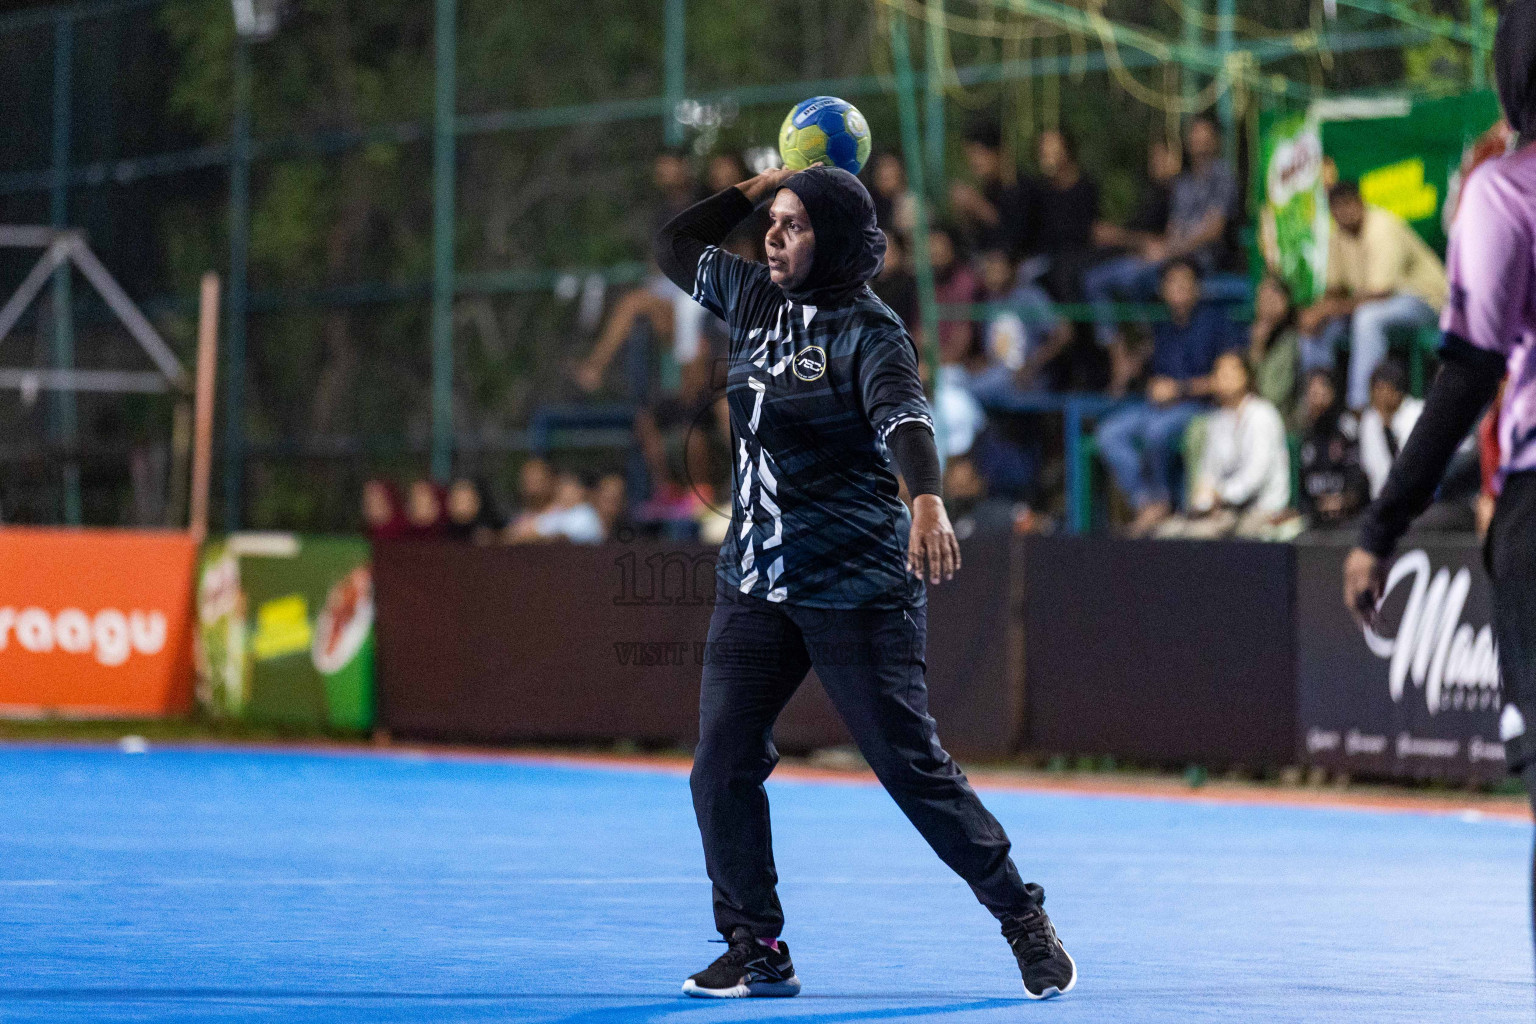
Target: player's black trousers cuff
x,y
870,661
1510,556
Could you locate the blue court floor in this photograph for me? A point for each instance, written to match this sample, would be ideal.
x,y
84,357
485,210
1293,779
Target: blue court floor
x,y
230,885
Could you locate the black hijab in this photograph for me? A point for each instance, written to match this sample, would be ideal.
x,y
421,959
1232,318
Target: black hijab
x,y
850,247
1514,63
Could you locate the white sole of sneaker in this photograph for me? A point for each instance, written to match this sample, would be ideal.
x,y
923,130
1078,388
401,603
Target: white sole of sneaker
x,y
1051,990
788,987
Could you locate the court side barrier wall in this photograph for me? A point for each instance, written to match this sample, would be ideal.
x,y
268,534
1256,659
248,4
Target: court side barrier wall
x,y
562,642
1172,652
1163,651
1232,653
95,623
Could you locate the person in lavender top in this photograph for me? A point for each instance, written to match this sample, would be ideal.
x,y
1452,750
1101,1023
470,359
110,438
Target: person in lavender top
x,y
1489,328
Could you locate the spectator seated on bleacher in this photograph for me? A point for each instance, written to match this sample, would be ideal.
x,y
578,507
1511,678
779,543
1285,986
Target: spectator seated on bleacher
x,y
1017,342
1242,484
569,516
1384,428
1010,466
895,285
988,210
667,310
1386,422
1273,345
1139,442
383,510
977,508
1381,277
610,500
535,492
678,412
426,514
474,514
725,169
895,203
1150,221
676,186
954,283
1333,486
1202,207
1061,207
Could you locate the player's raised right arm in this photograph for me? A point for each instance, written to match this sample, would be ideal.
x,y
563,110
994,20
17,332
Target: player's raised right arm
x,y
686,237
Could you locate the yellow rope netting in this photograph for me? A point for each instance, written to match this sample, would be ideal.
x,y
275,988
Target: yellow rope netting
x,y
1240,22
988,27
1028,107
1241,74
1158,99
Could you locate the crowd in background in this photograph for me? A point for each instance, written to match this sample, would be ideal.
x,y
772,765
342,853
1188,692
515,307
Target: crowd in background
x,y
552,505
1235,410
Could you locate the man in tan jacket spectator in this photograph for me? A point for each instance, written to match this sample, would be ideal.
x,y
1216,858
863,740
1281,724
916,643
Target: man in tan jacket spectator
x,y
1381,277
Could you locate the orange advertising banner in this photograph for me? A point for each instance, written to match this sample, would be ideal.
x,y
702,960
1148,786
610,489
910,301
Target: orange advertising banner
x,y
95,623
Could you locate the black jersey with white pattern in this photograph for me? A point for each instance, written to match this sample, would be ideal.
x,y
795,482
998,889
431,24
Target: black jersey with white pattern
x,y
813,395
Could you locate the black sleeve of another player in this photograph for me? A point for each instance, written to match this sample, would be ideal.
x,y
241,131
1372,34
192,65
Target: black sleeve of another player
x,y
1468,379
683,239
912,447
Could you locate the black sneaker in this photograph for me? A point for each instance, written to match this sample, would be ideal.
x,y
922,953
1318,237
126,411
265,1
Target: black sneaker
x,y
747,968
1047,969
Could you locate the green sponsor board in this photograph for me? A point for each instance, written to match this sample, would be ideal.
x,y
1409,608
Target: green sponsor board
x,y
1408,156
285,631
1408,159
1294,217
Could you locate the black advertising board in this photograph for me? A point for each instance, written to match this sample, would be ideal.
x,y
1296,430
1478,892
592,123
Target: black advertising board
x,y
576,643
1418,697
1175,652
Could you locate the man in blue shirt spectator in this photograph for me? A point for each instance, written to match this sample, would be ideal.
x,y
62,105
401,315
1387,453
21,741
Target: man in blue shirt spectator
x,y
1140,441
1202,206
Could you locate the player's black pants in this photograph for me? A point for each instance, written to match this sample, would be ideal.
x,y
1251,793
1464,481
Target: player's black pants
x,y
1510,555
871,664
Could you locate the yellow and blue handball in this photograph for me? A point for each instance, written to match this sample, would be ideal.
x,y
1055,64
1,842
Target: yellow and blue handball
x,y
827,129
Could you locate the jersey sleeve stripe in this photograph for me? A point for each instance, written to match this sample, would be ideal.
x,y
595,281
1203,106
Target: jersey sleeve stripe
x,y
911,417
698,274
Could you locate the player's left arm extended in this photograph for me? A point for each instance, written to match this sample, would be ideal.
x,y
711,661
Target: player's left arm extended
x,y
892,394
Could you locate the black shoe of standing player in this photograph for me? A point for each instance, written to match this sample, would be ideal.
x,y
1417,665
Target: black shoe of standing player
x,y
1045,966
747,968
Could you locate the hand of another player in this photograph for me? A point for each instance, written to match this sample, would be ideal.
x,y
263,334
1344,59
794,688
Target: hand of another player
x,y
932,549
1365,578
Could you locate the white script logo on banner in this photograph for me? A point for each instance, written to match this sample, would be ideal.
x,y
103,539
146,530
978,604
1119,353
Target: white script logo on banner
x,y
1455,664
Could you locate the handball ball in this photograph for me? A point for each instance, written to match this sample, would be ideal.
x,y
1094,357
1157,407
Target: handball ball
x,y
827,129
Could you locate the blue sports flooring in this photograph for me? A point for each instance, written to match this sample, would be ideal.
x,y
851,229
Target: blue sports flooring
x,y
213,885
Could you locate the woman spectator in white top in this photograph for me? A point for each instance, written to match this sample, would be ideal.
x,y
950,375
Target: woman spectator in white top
x,y
1243,483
